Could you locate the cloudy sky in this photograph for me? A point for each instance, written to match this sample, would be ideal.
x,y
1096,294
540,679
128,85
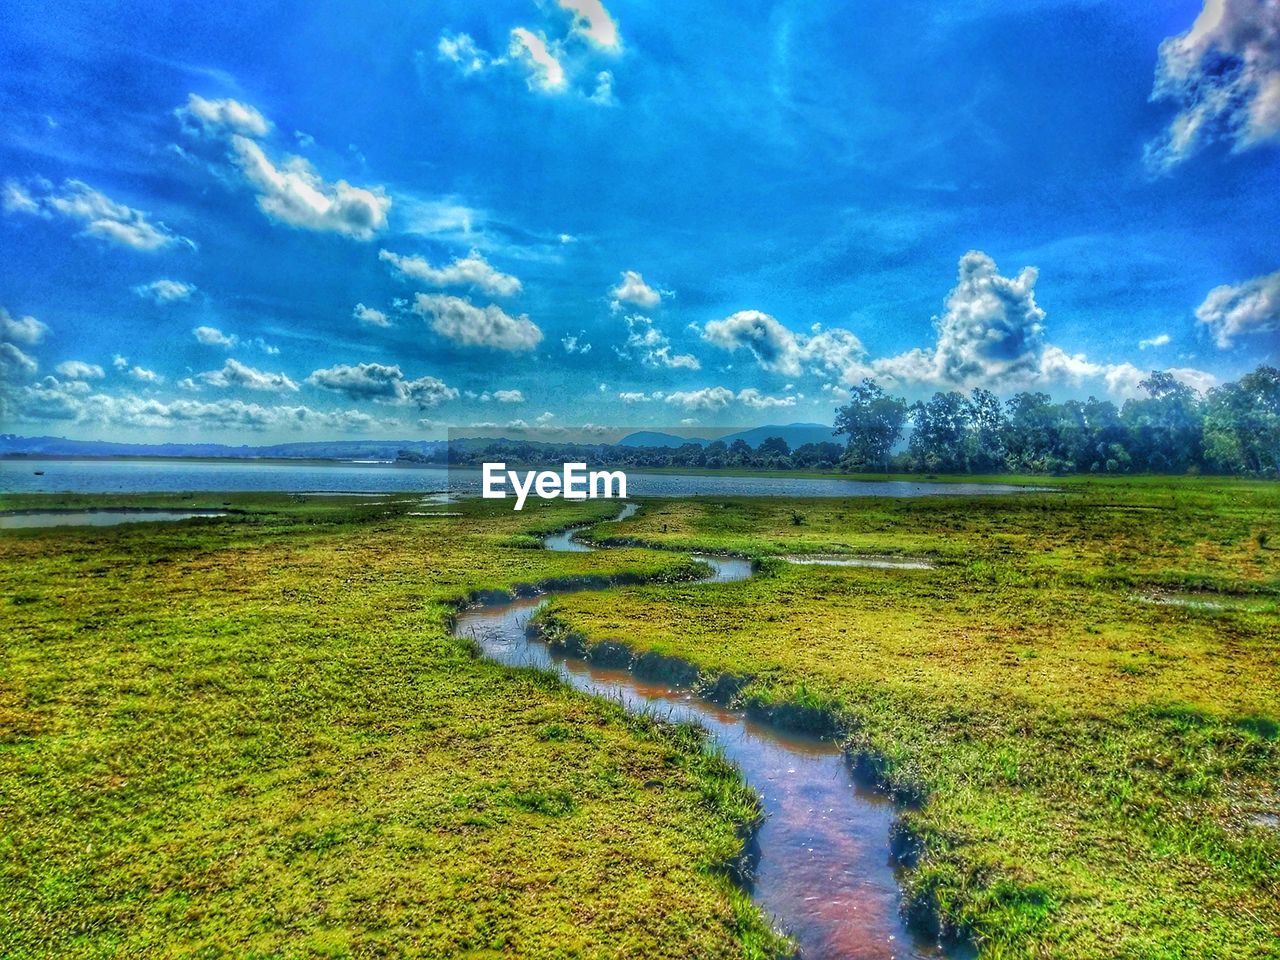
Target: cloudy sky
x,y
307,220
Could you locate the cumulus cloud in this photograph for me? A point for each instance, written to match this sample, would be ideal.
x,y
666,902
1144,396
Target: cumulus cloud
x,y
603,92
633,290
15,364
1224,75
79,370
296,195
213,337
54,400
541,59
990,334
592,21
502,396
652,347
711,399
100,216
236,374
466,324
382,383
460,49
165,291
473,271
25,330
144,375
777,349
1159,340
1251,308
370,317
218,117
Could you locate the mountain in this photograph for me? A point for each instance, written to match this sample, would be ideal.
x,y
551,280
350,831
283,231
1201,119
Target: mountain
x,y
796,434
651,438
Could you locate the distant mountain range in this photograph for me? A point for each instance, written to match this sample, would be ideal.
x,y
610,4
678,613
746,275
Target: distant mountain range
x,y
795,434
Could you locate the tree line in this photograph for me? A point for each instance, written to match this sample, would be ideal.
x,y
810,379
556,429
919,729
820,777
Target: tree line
x,y
1232,429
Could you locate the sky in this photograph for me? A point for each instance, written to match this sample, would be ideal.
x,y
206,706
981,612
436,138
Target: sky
x,y
263,222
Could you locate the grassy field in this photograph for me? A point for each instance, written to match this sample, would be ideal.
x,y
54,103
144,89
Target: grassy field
x,y
1084,691
255,737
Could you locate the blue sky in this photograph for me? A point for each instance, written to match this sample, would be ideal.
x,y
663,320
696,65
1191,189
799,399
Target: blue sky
x,y
293,221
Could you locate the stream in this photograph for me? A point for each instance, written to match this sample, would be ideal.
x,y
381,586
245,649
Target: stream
x,y
825,871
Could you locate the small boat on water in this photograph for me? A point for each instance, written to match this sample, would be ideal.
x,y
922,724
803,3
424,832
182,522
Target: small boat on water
x,y
39,473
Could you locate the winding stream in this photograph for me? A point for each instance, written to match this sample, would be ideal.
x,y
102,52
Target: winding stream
x,y
825,870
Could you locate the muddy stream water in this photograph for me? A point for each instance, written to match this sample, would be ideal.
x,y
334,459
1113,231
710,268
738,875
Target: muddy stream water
x,y
825,873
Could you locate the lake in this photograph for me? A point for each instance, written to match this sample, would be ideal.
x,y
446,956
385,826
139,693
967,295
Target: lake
x,y
173,476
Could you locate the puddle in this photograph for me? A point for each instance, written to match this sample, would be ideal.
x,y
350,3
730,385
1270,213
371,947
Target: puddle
x,y
15,520
841,560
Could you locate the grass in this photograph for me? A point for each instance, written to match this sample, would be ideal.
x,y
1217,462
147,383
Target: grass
x,y
255,737
1101,773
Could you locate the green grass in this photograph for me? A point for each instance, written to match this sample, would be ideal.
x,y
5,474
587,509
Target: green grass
x,y
255,737
1098,770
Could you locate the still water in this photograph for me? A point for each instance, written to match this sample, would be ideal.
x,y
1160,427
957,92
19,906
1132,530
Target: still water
x,y
170,476
825,870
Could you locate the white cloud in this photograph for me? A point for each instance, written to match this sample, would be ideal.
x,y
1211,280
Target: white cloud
x,y
633,290
546,73
603,93
294,194
461,50
473,270
545,418
15,365
753,398
652,347
120,362
1243,309
165,291
779,350
382,384
54,400
711,399
466,324
25,330
143,375
218,117
370,317
991,333
575,343
1159,340
592,20
775,347
236,374
79,370
213,337
1224,74
101,216
502,396
633,396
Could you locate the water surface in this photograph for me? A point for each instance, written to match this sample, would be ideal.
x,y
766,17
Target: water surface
x,y
826,872
177,476
95,518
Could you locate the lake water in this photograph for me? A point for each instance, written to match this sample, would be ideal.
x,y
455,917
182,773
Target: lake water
x,y
168,476
95,518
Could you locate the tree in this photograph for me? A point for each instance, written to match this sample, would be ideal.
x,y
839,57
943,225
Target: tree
x,y
1167,427
1242,425
986,437
873,422
940,433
